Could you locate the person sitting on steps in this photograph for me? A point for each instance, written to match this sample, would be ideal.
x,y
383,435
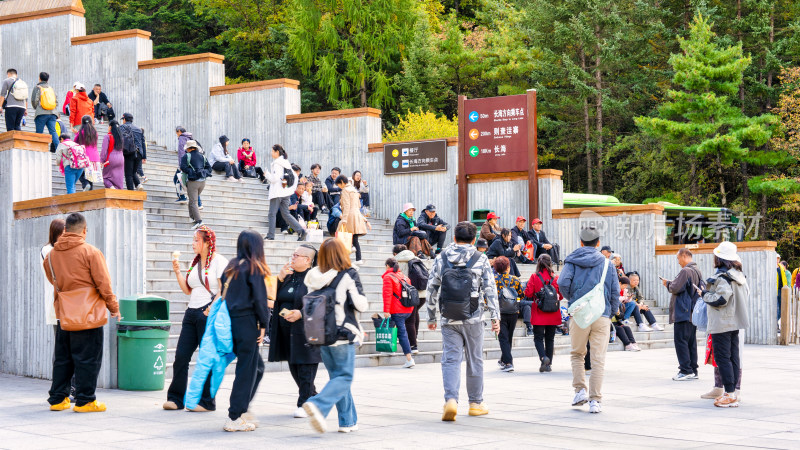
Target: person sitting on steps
x,y
431,223
247,162
222,161
407,232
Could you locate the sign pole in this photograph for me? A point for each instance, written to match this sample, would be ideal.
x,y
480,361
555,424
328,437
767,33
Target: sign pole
x,y
533,158
462,150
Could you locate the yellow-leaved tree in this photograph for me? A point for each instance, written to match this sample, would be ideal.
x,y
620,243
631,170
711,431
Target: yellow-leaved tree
x,y
422,125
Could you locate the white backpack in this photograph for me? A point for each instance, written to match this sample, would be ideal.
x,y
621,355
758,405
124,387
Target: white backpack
x,y
19,90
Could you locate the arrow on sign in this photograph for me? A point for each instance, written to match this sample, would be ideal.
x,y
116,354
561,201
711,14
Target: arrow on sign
x,y
474,134
473,116
159,364
473,151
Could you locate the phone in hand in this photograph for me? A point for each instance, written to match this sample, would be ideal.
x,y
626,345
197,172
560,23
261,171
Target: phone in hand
x,y
663,279
283,312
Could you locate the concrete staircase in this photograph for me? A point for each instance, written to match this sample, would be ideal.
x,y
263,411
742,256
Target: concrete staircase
x,y
232,207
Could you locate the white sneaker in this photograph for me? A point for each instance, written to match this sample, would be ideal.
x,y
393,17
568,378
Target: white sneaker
x,y
238,425
251,418
315,417
580,398
657,327
348,429
300,413
631,348
409,364
644,328
626,322
594,407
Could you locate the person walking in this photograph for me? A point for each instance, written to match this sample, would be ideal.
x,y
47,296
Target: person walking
x,y
508,289
544,323
202,285
352,221
87,137
681,306
196,169
79,105
245,294
180,189
339,358
462,316
405,258
583,270
65,155
14,98
222,161
280,190
77,269
247,162
395,311
135,151
113,160
287,336
43,98
726,294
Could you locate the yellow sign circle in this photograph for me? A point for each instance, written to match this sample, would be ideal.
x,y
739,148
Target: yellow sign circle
x,y
395,153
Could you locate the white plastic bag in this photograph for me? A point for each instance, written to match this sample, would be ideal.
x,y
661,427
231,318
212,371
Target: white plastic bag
x,y
587,309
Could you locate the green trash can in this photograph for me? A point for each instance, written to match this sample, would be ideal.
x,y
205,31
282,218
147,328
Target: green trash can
x,y
478,216
142,338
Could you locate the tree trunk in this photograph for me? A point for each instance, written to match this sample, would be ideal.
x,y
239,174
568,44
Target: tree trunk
x,y
694,189
739,34
771,41
599,122
722,192
762,227
746,187
587,132
363,93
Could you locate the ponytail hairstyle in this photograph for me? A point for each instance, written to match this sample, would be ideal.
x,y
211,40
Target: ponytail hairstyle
x,y
544,264
392,264
88,135
280,150
113,129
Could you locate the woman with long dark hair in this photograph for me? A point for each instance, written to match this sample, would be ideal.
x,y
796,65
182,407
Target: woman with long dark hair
x,y
726,295
508,287
287,337
246,297
202,285
544,323
112,158
361,186
87,137
280,191
222,161
56,230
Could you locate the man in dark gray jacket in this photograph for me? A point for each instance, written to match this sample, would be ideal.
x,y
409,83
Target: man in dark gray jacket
x,y
431,223
582,271
681,306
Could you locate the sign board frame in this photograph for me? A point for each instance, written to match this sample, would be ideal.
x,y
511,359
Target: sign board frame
x,y
390,147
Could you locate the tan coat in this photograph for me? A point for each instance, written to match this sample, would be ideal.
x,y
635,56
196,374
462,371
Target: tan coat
x,y
352,219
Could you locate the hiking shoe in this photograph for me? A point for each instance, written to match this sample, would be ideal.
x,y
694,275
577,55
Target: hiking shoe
x,y
409,364
348,429
94,406
61,406
684,377
170,405
251,418
450,410
594,407
480,409
644,328
545,363
508,368
197,224
580,398
315,417
529,331
713,394
238,425
414,351
727,401
182,201
656,327
300,413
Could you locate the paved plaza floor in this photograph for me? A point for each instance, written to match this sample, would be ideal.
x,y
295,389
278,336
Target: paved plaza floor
x,y
401,408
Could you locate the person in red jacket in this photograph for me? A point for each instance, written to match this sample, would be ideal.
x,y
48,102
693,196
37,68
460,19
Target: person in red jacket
x,y
79,105
544,324
247,161
392,308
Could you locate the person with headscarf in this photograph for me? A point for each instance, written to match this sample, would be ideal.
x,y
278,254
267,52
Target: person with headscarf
x,y
202,285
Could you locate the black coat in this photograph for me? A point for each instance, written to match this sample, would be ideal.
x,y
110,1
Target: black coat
x,y
426,224
500,247
247,295
516,232
401,232
296,350
538,242
198,169
333,189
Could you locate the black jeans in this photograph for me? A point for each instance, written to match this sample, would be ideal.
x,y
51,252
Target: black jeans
x,y
507,324
685,337
331,199
544,339
318,198
412,327
625,334
365,199
230,169
192,329
436,239
78,353
14,119
132,163
304,375
303,211
726,355
525,309
637,316
357,246
249,365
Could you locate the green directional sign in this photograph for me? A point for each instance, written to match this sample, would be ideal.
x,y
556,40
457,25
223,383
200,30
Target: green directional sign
x,y
474,151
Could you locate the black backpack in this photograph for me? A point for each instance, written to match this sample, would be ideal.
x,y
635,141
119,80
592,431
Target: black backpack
x,y
319,315
132,140
418,274
288,177
547,297
410,296
455,299
507,297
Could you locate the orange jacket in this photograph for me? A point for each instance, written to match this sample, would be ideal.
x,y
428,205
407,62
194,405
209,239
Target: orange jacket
x,y
80,105
78,265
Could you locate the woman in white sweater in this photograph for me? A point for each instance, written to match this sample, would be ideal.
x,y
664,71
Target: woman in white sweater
x,y
279,192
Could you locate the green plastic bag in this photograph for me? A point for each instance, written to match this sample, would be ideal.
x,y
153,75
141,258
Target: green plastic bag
x,y
385,338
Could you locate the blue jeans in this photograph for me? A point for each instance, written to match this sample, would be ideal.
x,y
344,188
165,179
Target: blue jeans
x,y
48,120
399,321
629,307
70,177
340,361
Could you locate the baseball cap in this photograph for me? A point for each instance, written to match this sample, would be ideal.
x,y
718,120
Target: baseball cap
x,y
481,244
535,221
492,216
520,218
78,85
589,234
607,249
430,208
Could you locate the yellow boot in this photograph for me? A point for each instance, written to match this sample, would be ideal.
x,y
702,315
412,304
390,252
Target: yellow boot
x,y
94,406
61,406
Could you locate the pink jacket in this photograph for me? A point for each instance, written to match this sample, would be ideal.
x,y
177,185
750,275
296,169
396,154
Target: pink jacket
x,y
248,161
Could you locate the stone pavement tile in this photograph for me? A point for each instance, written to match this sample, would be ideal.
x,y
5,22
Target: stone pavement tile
x,y
102,437
788,435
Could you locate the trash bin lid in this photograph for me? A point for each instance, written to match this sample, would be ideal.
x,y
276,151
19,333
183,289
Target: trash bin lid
x,y
139,325
144,307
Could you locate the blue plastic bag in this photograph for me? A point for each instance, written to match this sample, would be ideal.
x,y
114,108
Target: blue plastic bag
x,y
700,315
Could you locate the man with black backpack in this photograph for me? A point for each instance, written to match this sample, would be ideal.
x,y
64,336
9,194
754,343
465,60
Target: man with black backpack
x,y
460,280
134,151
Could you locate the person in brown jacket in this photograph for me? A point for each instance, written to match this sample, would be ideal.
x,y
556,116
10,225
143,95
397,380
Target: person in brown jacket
x,y
490,229
352,220
72,265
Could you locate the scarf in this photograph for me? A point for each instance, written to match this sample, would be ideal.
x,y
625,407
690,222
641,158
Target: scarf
x,y
410,220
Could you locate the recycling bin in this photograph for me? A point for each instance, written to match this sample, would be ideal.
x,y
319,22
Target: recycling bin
x,y
142,338
478,216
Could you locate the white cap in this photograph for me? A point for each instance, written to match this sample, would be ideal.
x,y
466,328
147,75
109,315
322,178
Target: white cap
x,y
727,251
78,85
